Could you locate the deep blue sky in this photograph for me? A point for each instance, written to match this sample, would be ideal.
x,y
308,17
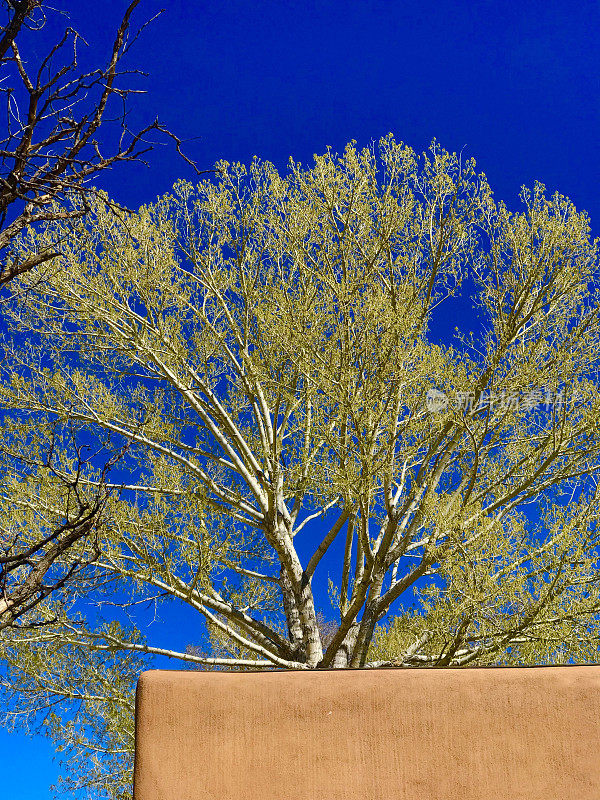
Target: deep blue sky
x,y
516,84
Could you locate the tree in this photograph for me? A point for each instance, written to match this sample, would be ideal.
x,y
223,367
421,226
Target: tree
x,y
56,140
49,522
54,114
267,343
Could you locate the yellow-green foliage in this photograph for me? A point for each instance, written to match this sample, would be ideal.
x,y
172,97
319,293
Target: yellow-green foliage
x,y
264,344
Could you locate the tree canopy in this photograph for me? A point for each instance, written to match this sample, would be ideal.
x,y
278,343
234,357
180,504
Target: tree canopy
x,y
262,350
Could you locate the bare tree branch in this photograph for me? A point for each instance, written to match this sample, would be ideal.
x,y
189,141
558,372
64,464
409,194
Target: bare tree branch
x,y
50,149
